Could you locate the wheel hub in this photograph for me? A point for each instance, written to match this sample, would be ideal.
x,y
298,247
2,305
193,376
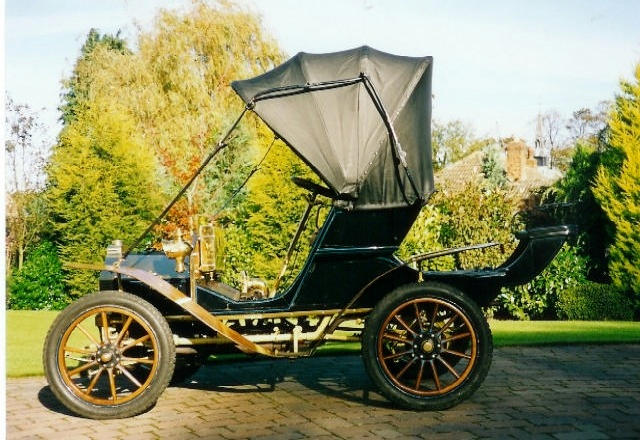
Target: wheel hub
x,y
108,355
426,345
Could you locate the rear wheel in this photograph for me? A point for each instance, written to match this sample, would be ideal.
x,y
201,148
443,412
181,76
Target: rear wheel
x,y
427,346
109,355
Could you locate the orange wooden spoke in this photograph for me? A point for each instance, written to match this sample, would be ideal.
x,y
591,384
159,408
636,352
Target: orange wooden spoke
x,y
406,367
419,378
436,379
433,317
136,342
457,353
78,350
415,306
397,355
79,359
137,360
82,368
112,385
456,337
449,367
94,381
404,324
396,338
105,327
129,376
87,334
125,327
447,324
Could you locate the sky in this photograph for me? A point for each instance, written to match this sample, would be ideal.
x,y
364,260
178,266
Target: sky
x,y
497,64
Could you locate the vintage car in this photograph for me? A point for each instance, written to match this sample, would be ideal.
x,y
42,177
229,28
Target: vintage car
x,y
360,119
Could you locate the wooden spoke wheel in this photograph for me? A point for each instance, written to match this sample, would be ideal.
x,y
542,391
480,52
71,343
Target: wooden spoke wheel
x,y
427,346
109,355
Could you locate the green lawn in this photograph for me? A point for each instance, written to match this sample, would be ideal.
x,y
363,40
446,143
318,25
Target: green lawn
x,y
26,331
563,332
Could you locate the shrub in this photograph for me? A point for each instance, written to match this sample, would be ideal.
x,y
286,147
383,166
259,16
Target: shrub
x,y
593,301
476,214
593,224
538,299
39,284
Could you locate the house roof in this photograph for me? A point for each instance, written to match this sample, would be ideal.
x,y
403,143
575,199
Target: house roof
x,y
456,176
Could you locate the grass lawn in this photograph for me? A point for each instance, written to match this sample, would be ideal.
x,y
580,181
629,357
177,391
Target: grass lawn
x,y
26,331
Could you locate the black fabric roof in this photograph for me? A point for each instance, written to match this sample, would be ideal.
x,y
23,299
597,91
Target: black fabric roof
x,y
339,131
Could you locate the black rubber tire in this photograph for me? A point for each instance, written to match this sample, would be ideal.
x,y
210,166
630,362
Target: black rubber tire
x,y
144,311
438,291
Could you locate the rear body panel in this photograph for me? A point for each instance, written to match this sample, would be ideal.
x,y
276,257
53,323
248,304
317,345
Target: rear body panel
x,y
351,249
536,249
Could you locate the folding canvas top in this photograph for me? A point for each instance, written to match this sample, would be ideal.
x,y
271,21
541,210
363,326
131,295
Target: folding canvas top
x,y
360,118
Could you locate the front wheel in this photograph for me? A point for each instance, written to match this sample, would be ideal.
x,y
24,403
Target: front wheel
x,y
427,346
109,355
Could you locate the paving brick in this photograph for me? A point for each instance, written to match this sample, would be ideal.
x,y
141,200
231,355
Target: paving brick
x,y
561,393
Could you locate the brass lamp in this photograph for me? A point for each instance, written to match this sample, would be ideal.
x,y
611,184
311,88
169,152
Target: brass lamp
x,y
178,249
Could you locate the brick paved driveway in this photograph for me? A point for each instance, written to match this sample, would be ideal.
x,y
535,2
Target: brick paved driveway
x,y
571,392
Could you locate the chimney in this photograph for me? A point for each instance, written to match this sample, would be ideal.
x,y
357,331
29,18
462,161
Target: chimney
x,y
517,153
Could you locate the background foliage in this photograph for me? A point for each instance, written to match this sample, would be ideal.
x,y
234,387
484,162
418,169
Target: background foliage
x,y
476,214
39,283
591,301
139,117
100,187
617,188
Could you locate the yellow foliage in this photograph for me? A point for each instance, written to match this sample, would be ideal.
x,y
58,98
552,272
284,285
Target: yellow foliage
x,y
100,187
617,187
176,87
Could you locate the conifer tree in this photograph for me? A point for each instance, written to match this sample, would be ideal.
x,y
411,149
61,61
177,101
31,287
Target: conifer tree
x,y
617,187
100,188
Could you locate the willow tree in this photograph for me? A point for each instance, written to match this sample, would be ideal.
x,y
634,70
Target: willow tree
x,y
617,187
174,88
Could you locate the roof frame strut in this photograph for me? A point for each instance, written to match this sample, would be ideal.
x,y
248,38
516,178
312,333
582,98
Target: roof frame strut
x,y
399,154
281,92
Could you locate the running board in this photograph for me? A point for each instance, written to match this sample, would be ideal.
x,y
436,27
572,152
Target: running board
x,y
185,302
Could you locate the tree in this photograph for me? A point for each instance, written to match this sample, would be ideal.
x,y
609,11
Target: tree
x,y
550,124
176,87
593,224
492,168
617,187
39,283
172,94
452,141
76,88
101,187
585,124
26,151
262,226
